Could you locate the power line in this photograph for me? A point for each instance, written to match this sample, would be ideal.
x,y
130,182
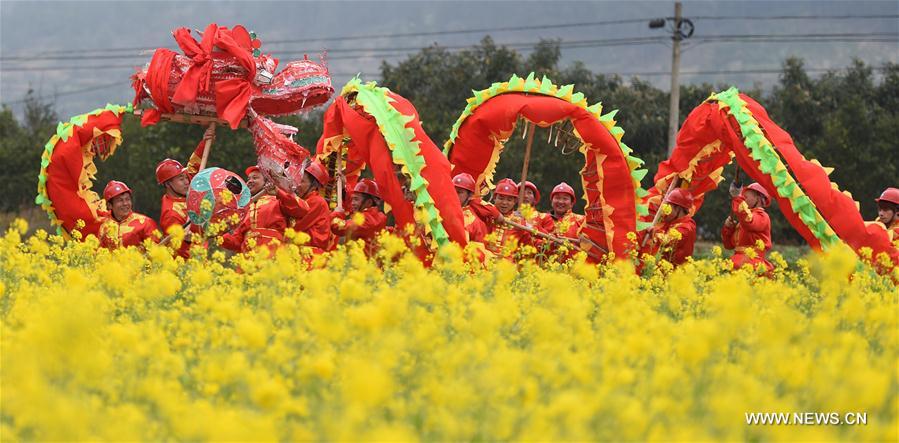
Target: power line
x,y
612,41
625,41
455,49
794,17
731,71
507,29
402,34
72,92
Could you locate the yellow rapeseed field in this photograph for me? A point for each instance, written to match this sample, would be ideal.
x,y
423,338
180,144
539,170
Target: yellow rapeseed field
x,y
132,345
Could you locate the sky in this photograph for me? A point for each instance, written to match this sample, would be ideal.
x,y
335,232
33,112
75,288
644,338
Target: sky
x,y
80,54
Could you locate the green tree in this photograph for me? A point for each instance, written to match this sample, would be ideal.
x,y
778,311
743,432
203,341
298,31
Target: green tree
x,y
21,146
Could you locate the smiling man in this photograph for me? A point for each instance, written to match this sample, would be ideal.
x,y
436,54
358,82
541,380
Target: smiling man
x,y
124,227
561,221
263,224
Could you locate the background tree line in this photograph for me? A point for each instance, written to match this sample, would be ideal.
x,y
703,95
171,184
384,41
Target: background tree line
x,y
847,119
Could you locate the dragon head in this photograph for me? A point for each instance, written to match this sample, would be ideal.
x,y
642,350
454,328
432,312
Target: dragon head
x,y
302,84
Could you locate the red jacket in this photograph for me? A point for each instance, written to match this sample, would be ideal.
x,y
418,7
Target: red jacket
x,y
673,249
263,222
551,224
131,231
894,230
752,225
474,226
501,235
174,212
374,222
310,215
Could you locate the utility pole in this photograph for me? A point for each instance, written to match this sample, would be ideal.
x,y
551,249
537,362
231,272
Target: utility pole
x,y
674,104
681,29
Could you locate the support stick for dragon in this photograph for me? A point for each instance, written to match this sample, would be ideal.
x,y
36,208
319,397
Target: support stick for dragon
x,y
527,160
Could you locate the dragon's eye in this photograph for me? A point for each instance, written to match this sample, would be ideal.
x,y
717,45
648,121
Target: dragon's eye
x,y
233,185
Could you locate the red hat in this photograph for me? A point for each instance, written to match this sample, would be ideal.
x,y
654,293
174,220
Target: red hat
x,y
761,190
464,181
563,188
318,172
680,197
506,187
252,169
367,186
532,187
890,195
114,189
168,169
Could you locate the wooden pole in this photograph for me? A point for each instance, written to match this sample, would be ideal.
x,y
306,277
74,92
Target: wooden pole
x,y
527,160
554,239
338,170
675,182
194,119
208,146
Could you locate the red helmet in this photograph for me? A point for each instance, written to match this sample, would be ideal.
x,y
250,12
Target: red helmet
x,y
114,189
680,197
251,170
563,188
367,186
318,172
168,169
890,195
506,187
532,187
464,181
761,190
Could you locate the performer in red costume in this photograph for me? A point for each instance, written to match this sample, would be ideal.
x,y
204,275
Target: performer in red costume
x,y
561,221
465,189
263,224
175,178
309,211
675,237
364,202
748,226
124,227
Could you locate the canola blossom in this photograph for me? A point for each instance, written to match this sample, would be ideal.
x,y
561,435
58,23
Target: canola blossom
x,y
137,345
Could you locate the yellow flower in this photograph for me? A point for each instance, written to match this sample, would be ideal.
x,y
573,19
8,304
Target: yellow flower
x,y
131,344
666,209
759,245
226,196
527,212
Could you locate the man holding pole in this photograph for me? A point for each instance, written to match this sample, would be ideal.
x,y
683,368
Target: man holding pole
x,y
263,224
176,180
475,228
561,221
675,237
748,229
308,210
366,220
504,239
